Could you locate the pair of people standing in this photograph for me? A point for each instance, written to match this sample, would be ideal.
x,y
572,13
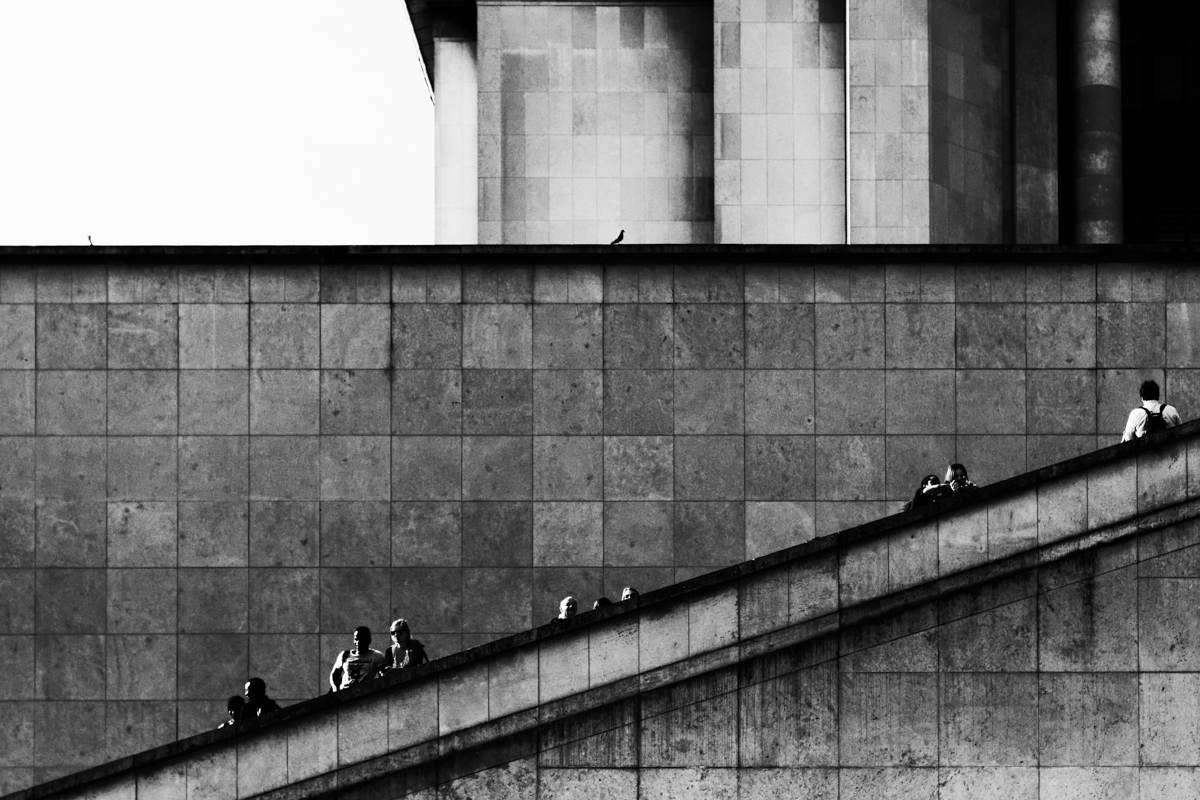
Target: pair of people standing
x,y
361,663
932,489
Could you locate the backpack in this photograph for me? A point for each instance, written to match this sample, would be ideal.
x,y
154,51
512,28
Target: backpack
x,y
1155,421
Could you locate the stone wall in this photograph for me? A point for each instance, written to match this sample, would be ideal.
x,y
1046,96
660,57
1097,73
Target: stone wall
x,y
208,472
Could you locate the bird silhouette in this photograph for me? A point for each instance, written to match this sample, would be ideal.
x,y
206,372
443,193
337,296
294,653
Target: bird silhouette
x,y
620,237
89,240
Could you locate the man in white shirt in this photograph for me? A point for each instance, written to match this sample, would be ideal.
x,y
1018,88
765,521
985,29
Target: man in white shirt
x,y
1144,419
357,665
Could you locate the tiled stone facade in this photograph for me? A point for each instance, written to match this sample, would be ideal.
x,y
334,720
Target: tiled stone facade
x,y
210,472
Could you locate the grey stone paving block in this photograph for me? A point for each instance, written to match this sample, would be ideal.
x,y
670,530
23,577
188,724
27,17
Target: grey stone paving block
x,y
497,284
16,601
285,401
429,598
1061,335
70,667
638,467
779,401
709,534
497,336
70,467
427,468
850,401
638,336
990,336
214,401
638,534
143,336
213,468
780,468
709,401
780,336
497,467
426,401
71,337
141,667
142,468
1088,719
69,601
991,401
426,534
347,284
285,336
567,401
567,336
1168,638
427,284
567,534
850,336
353,596
296,284
1130,335
989,719
990,283
356,534
497,600
355,468
772,526
213,534
214,336
17,538
568,468
284,467
355,401
17,336
210,663
497,401
60,284
639,402
1061,401
427,336
876,707
142,600
355,336
143,285
497,534
214,284
1000,639
709,336
712,284
69,402
142,534
919,335
143,402
284,533
847,467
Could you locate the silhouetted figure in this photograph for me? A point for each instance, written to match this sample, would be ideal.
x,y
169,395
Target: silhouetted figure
x,y
620,237
404,651
930,489
234,709
1151,416
629,593
257,702
601,603
957,480
356,665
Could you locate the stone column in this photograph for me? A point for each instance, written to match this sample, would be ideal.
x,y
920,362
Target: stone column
x,y
456,142
1098,184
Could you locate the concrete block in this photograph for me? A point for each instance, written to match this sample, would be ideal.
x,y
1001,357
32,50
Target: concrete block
x,y
427,402
911,457
768,783
349,598
710,468
214,401
638,402
139,601
567,401
1168,640
346,284
285,600
919,335
709,336
362,729
312,746
516,779
662,636
1061,335
498,401
498,337
772,526
989,719
284,467
213,468
790,719
17,536
1068,639
142,336
141,534
990,401
212,773
163,781
68,337
780,468
1088,719
1162,476
847,467
430,596
860,784
779,401
998,639
992,457
888,719
1052,391
497,534
913,556
427,284
68,734
16,651
700,782
262,762
702,710
70,667
1130,335
638,336
214,284
850,401
497,600
19,285
285,401
1112,493
567,467
69,467
848,335
513,682
69,601
213,336
915,417
1012,525
462,698
1117,393
1168,727
17,337
1168,783
563,666
283,534
412,714
613,650
355,401
780,336
209,664
426,534
213,601
638,534
1183,344
497,467
990,336
355,468
284,284
638,468
713,621
355,336
567,336
427,336
863,573
285,336
71,534
355,534
586,784
427,468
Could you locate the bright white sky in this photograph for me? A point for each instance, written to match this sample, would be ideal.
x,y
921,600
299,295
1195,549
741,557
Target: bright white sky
x,y
213,122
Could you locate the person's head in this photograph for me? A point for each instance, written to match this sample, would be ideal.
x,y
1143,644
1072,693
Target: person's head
x,y
255,688
929,482
601,603
1149,390
567,607
234,706
628,593
362,637
400,633
956,472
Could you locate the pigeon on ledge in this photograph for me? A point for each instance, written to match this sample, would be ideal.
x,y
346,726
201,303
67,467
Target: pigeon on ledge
x,y
620,237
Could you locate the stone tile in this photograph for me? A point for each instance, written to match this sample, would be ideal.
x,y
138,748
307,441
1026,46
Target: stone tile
x,y
989,719
351,596
876,707
427,468
69,337
214,402
709,401
355,402
284,467
426,534
497,336
639,402
427,336
356,534
567,336
709,337
1061,335
990,401
134,726
780,336
919,335
430,598
711,784
1053,283
990,283
710,468
213,601
584,784
772,526
908,414
1182,341
71,534
1161,476
849,467
567,401
142,336
1046,449
638,336
715,284
426,401
497,467
18,478
991,457
568,534
18,285
312,746
214,336
497,284
59,284
143,285
69,601
1112,493
289,663
1169,730
567,468
1167,636
285,336
213,468
497,534
213,534
999,639
780,468
140,667
142,601
214,284
850,335
638,535
142,534
69,734
342,283
17,653
285,401
850,401
1130,335
17,537
355,468
709,534
497,600
283,534
143,402
1053,391
1012,525
17,337
497,401
300,284
638,468
68,467
990,336
355,336
1088,719
211,663
16,601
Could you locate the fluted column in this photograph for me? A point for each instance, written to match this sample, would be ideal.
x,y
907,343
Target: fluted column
x,y
1098,189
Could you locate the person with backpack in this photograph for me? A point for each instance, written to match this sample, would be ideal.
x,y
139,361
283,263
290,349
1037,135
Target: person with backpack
x,y
1151,416
357,665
